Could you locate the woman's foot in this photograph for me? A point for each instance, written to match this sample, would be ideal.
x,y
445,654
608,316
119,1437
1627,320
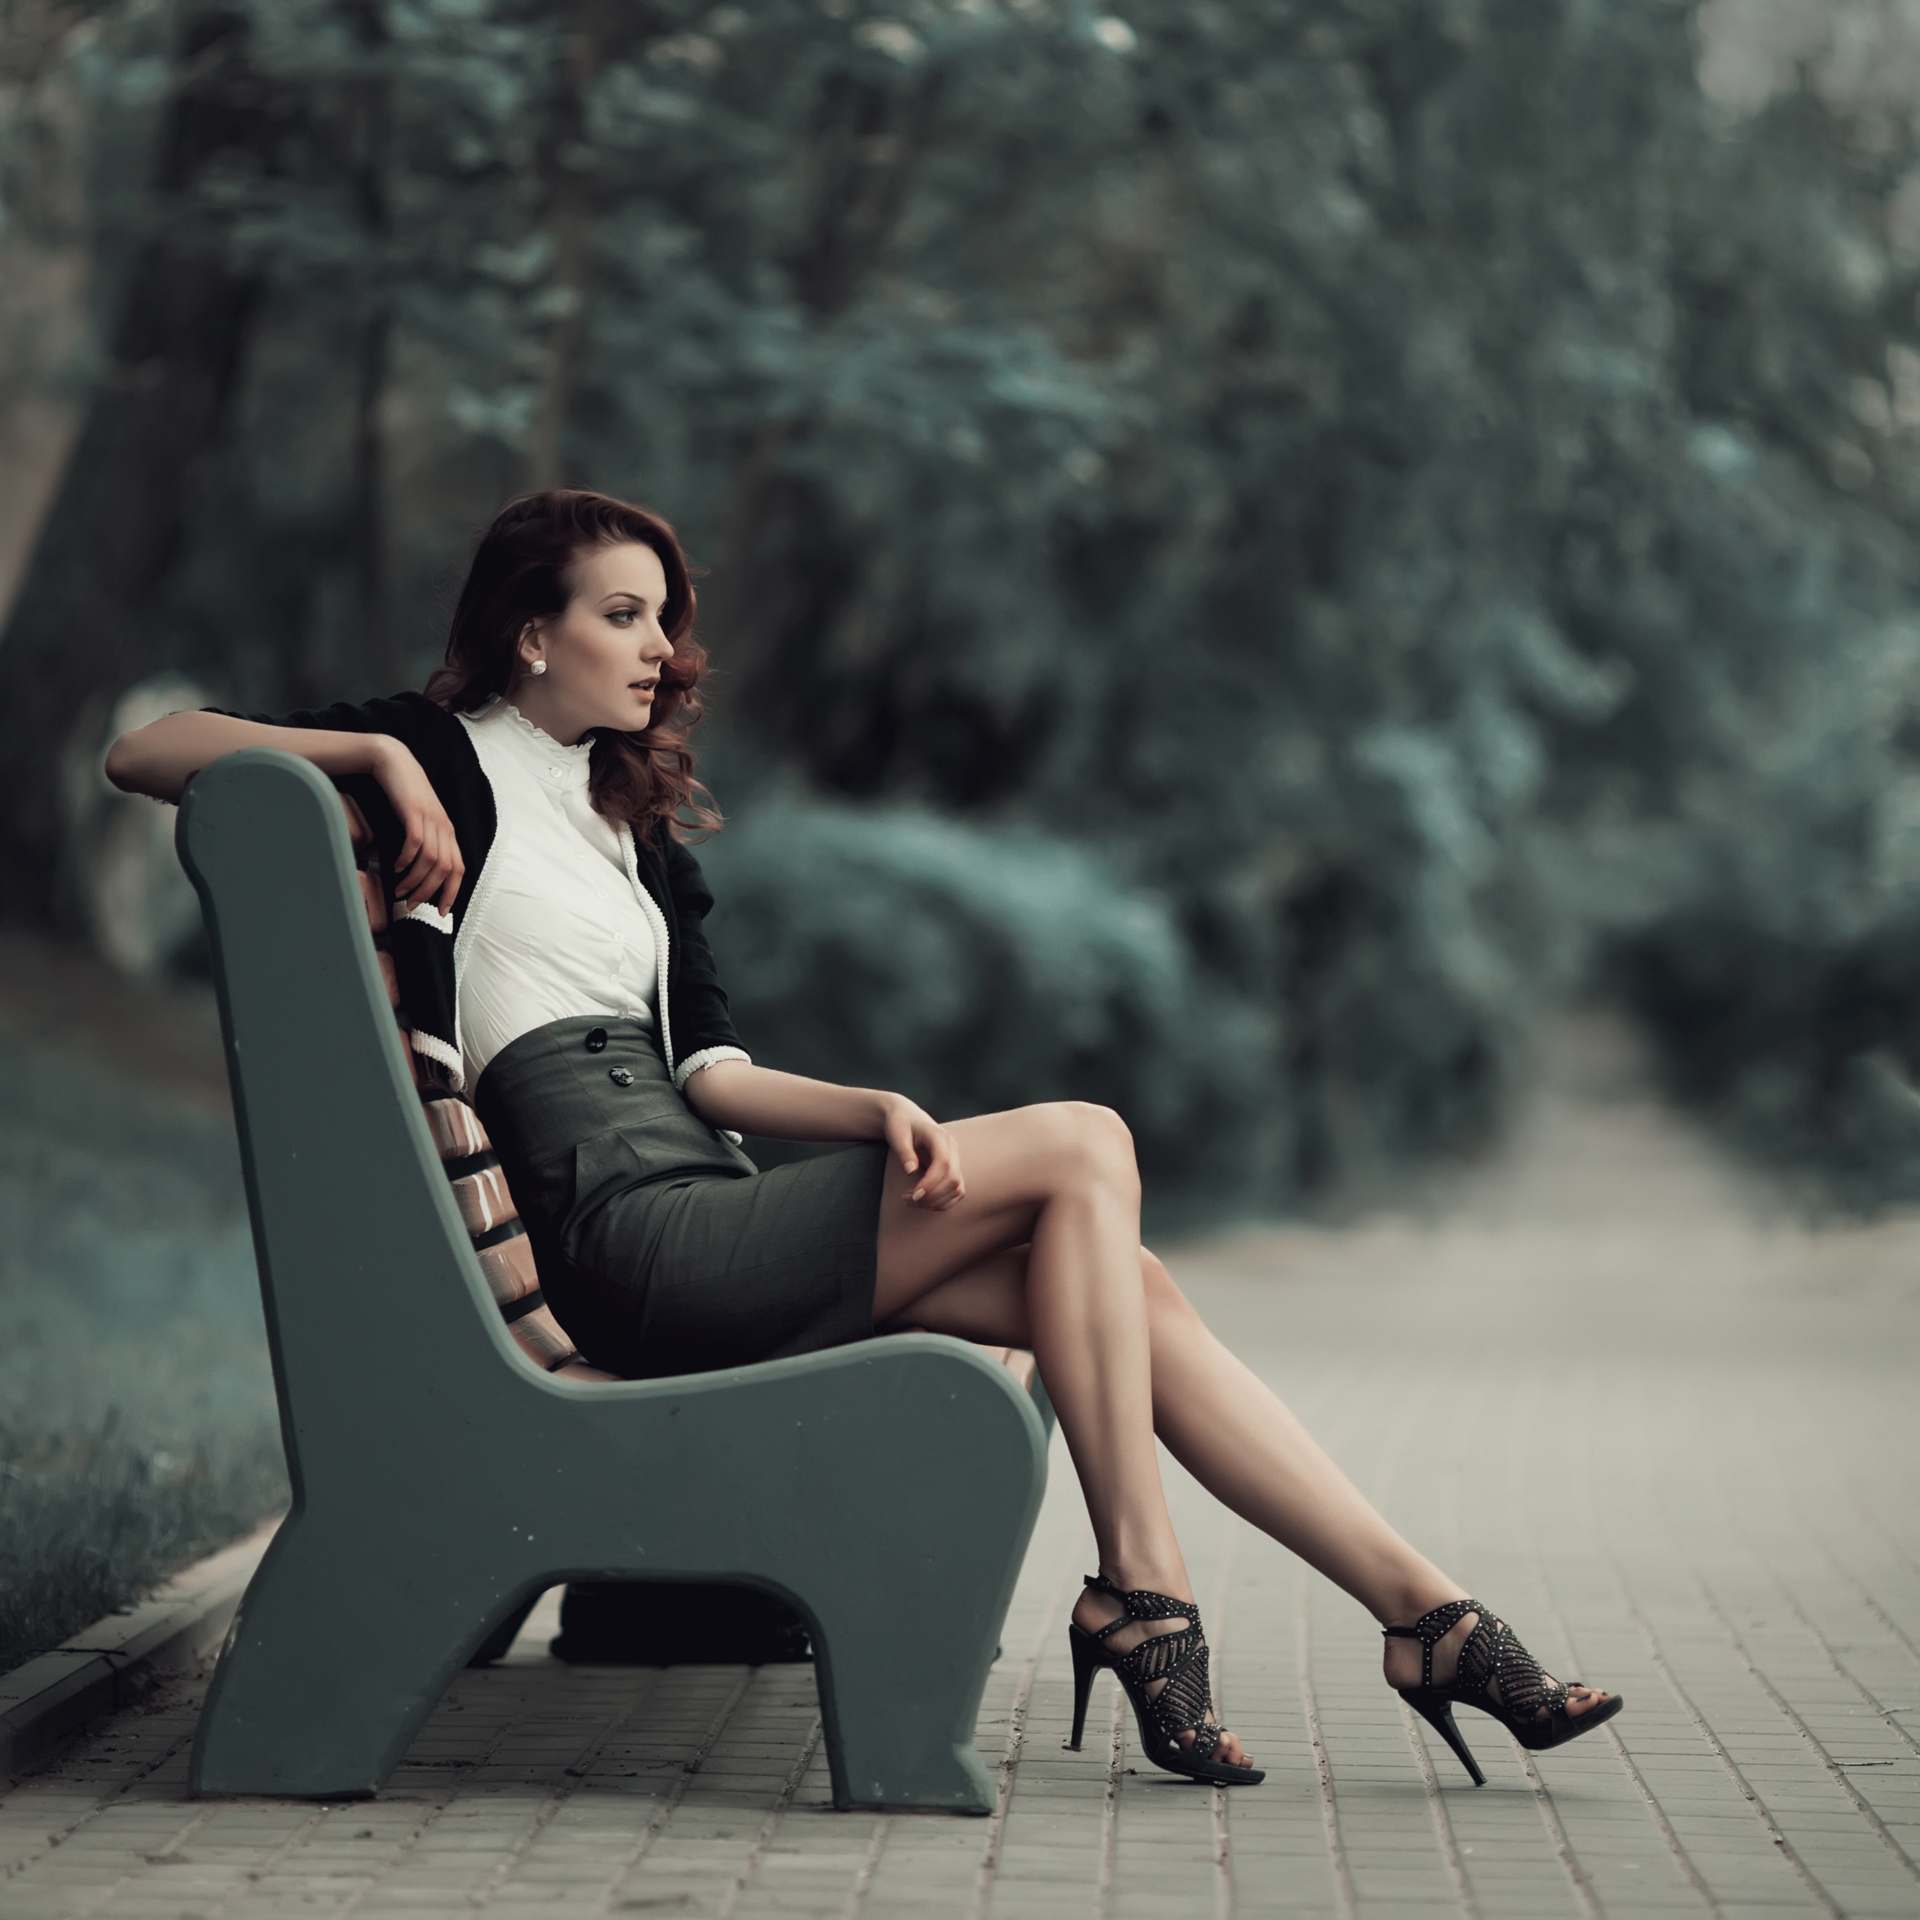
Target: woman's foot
x,y
1096,1609
1488,1669
1401,1659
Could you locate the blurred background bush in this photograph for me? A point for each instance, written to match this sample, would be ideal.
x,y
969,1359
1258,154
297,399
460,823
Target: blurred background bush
x,y
1254,549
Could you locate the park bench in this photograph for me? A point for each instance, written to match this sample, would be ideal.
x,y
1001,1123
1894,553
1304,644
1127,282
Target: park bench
x,y
442,1477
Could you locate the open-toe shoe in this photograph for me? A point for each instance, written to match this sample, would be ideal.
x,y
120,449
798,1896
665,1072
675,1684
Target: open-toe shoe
x,y
1183,1705
1500,1677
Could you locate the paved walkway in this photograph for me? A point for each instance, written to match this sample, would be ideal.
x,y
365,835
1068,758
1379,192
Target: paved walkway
x,y
1674,1439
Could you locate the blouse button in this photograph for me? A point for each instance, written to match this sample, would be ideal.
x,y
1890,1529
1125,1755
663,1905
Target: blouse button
x,y
620,1077
597,1040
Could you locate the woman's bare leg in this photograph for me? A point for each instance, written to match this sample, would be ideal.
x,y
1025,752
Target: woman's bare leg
x,y
1241,1442
1218,1419
1061,1181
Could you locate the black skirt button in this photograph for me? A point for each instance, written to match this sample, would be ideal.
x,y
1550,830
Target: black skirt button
x,y
597,1040
620,1076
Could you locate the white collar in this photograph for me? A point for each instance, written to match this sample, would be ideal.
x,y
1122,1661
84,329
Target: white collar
x,y
559,769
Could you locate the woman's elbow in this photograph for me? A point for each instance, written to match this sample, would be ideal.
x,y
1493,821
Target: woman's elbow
x,y
123,764
134,766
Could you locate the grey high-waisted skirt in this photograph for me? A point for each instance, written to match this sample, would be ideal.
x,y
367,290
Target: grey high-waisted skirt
x,y
662,1249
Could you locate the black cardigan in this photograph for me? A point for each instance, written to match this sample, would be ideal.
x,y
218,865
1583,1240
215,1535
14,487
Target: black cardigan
x,y
422,955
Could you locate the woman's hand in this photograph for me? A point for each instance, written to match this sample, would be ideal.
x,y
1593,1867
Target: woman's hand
x,y
429,867
923,1146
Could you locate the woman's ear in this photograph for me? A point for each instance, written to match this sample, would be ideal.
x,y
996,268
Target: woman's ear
x,y
527,649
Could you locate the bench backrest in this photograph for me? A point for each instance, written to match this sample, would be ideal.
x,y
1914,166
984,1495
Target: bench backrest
x,y
479,1183
367,1272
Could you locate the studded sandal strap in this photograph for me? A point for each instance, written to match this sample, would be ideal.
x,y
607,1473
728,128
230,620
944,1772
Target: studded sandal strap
x,y
1525,1690
1493,1663
1185,1703
1141,1603
1180,1659
1431,1628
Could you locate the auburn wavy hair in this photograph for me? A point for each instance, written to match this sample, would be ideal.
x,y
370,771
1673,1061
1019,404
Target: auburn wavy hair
x,y
523,571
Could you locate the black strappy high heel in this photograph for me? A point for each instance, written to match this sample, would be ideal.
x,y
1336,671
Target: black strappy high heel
x,y
1183,1705
1493,1654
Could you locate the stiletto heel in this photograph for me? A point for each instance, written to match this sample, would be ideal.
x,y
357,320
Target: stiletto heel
x,y
1183,1704
1500,1677
1086,1663
1436,1710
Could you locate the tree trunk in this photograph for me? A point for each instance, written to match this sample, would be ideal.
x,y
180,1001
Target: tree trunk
x,y
570,208
369,140
80,628
791,573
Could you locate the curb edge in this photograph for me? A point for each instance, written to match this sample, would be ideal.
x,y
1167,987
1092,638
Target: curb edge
x,y
51,1698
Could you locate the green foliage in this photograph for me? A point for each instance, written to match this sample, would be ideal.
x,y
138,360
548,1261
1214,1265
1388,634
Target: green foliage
x,y
976,970
139,1427
92,1521
1410,497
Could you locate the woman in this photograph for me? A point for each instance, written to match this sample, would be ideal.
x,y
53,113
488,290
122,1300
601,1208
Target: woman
x,y
551,958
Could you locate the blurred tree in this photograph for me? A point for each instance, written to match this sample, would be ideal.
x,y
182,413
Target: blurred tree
x,y
78,633
44,231
1407,498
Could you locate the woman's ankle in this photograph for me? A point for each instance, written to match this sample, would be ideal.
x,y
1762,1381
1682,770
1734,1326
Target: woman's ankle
x,y
1415,1599
1148,1576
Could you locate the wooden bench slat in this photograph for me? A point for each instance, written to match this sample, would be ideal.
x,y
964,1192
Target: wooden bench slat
x,y
509,1268
484,1201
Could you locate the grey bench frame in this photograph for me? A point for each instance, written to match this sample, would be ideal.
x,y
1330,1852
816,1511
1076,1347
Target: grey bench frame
x,y
886,1489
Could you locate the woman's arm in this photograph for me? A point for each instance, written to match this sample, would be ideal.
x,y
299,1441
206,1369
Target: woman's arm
x,y
783,1106
159,760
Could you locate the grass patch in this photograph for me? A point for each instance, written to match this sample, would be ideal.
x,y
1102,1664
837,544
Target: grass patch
x,y
137,1420
91,1522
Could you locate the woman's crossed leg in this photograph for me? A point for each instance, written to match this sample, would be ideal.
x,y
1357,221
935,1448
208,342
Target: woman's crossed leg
x,y
1044,1252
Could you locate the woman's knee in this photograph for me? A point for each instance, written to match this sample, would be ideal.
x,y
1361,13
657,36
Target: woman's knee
x,y
1086,1144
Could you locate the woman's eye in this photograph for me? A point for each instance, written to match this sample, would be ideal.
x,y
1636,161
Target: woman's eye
x,y
622,616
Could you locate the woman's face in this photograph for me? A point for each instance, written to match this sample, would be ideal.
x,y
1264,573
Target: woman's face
x,y
603,653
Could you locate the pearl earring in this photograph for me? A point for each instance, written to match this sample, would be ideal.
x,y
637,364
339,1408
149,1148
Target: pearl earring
x,y
539,666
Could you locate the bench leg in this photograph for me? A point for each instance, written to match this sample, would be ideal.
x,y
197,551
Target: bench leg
x,y
334,1661
901,1698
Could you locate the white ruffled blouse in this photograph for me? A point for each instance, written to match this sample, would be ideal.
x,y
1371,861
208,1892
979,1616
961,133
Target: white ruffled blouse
x,y
567,928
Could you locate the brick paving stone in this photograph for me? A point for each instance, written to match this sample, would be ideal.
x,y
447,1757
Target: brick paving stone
x,y
1664,1426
